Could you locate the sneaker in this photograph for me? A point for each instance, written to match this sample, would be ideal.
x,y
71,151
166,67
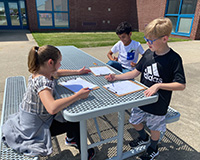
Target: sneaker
x,y
91,154
139,142
150,154
70,143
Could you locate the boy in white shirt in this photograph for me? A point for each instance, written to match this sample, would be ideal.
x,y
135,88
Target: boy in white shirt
x,y
127,48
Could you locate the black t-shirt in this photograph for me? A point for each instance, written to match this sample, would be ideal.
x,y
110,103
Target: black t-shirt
x,y
160,69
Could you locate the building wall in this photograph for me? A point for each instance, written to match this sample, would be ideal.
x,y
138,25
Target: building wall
x,y
103,16
106,15
149,10
95,15
195,34
32,15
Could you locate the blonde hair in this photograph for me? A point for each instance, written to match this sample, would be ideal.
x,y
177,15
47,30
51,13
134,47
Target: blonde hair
x,y
39,55
158,27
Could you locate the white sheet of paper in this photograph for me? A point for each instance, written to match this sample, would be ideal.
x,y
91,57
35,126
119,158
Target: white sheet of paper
x,y
76,84
123,87
101,70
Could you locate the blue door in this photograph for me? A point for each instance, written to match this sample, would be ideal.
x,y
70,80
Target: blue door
x,y
13,14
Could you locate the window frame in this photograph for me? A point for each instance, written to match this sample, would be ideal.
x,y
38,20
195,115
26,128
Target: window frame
x,y
179,16
53,18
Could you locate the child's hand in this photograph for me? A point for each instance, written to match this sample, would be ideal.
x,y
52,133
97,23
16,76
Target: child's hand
x,y
115,58
83,93
152,90
133,64
110,77
84,70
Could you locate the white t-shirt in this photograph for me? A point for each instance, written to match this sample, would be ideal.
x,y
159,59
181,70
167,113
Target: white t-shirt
x,y
128,54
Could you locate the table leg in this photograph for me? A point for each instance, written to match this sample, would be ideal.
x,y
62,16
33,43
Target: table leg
x,y
120,134
83,133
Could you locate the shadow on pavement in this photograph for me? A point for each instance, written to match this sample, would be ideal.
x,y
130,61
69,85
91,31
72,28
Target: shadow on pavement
x,y
171,146
13,35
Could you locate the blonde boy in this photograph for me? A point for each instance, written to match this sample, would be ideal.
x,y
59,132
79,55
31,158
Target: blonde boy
x,y
162,71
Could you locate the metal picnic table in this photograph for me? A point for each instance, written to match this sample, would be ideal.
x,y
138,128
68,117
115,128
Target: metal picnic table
x,y
100,101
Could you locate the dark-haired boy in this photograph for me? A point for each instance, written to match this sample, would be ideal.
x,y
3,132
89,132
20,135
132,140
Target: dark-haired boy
x,y
127,48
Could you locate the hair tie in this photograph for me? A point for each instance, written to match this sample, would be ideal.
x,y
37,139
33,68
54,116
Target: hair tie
x,y
36,49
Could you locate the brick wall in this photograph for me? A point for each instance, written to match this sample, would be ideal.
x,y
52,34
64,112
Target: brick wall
x,y
149,10
195,33
32,15
91,15
95,15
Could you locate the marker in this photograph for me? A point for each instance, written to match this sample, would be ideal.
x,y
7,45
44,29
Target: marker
x,y
94,63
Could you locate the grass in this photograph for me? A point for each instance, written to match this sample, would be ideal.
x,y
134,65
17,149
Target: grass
x,y
85,39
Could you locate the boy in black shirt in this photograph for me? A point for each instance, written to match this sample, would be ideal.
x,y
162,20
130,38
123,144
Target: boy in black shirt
x,y
162,71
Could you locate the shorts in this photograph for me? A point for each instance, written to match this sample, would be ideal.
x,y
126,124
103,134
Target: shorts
x,y
153,122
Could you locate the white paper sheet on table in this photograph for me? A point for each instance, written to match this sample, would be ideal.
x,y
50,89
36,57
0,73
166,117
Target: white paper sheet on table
x,y
124,87
76,84
101,70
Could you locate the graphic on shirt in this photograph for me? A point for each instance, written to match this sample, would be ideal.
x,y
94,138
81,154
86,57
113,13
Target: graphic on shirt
x,y
131,54
151,73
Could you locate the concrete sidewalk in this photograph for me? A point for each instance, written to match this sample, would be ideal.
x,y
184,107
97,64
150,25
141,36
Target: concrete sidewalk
x,y
182,140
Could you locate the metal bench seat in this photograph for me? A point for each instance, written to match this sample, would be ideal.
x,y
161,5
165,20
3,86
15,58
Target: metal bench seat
x,y
172,115
13,93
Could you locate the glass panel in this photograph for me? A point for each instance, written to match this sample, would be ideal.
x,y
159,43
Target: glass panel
x,y
23,13
45,19
60,5
173,7
14,14
188,6
184,25
61,20
174,22
3,21
44,5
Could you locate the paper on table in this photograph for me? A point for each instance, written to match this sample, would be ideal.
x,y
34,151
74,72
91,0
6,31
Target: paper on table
x,y
77,84
122,88
101,70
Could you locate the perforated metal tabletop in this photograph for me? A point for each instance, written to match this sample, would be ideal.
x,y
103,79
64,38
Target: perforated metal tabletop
x,y
100,101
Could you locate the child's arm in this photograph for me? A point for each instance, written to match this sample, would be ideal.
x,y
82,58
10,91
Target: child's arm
x,y
133,64
65,72
54,106
164,86
109,55
127,75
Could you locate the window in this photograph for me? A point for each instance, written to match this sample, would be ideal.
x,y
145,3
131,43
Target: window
x,y
3,20
181,13
53,13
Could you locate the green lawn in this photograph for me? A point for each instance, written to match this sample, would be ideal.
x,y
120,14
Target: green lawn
x,y
85,39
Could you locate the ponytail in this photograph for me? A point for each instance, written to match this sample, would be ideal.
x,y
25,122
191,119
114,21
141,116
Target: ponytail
x,y
39,55
33,59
